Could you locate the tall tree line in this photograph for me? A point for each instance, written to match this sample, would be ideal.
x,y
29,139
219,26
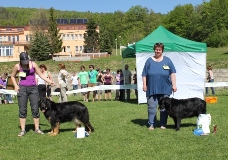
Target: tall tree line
x,y
207,22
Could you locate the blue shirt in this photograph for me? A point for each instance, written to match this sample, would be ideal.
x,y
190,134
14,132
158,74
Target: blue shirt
x,y
158,79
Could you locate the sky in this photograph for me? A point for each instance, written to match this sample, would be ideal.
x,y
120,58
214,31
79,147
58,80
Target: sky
x,y
158,6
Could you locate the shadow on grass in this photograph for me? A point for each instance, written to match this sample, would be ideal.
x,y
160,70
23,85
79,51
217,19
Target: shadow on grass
x,y
183,125
141,122
225,53
144,122
30,127
61,130
132,101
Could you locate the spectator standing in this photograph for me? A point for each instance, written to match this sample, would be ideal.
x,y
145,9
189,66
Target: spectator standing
x,y
8,96
99,82
63,83
108,79
92,81
119,81
210,78
135,82
74,81
3,86
83,78
41,84
49,76
127,81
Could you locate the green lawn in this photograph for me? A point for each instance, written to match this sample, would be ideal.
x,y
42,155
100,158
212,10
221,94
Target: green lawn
x,y
120,128
120,133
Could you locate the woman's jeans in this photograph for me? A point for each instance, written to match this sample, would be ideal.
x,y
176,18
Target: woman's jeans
x,y
75,87
212,88
152,102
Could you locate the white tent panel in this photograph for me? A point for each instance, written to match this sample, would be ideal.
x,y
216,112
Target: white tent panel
x,y
190,76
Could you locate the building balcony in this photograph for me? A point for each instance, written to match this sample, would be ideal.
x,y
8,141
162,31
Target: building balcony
x,y
14,43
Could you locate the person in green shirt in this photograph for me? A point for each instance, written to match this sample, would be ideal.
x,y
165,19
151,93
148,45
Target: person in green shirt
x,y
83,78
92,81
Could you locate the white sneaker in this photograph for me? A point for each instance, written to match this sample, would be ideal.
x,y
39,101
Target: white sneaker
x,y
11,102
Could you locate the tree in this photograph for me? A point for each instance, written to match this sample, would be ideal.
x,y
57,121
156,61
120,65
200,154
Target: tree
x,y
40,47
91,37
53,31
179,21
39,21
105,42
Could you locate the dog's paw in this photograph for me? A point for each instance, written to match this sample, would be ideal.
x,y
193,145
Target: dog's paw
x,y
53,134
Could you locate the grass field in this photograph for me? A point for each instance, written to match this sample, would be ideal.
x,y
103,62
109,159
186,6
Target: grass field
x,y
120,133
217,57
121,130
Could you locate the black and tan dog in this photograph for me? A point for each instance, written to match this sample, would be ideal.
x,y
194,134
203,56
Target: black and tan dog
x,y
182,108
57,113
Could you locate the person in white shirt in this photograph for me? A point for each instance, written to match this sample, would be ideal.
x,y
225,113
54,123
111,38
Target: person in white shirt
x,y
210,78
44,88
62,78
41,85
74,81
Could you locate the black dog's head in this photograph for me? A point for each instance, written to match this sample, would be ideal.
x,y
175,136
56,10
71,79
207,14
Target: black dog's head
x,y
44,104
165,103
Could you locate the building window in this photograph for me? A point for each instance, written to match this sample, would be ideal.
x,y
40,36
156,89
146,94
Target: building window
x,y
17,37
68,37
13,39
80,48
76,48
64,48
68,48
64,37
80,35
76,36
6,50
72,36
26,38
4,38
9,37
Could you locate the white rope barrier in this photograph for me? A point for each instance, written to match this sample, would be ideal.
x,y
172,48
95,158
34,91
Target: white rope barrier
x,y
216,84
95,88
110,87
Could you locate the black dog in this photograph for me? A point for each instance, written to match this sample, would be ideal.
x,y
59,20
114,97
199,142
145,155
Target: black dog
x,y
182,108
57,113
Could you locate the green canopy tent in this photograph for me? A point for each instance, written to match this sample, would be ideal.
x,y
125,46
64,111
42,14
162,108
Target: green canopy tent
x,y
189,58
172,42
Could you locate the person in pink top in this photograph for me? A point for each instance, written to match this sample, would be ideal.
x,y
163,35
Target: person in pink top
x,y
107,79
27,89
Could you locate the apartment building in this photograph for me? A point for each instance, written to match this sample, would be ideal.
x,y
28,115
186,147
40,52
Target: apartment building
x,y
16,39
